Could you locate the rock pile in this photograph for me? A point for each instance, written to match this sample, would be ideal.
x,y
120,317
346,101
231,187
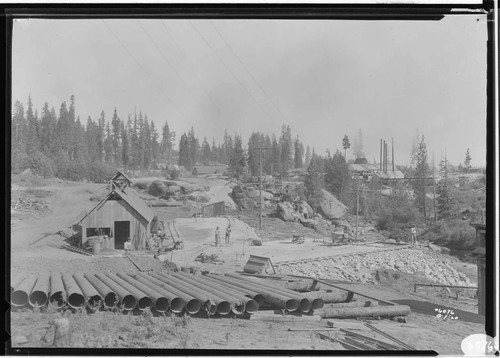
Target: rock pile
x,y
362,268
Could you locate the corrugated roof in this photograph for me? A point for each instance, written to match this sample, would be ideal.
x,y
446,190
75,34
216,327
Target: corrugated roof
x,y
363,167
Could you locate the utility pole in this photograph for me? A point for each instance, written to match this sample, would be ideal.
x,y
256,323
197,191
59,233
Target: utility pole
x,y
434,187
357,212
260,183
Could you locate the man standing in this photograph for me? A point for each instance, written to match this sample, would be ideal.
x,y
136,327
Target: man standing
x,y
228,234
127,246
217,236
413,235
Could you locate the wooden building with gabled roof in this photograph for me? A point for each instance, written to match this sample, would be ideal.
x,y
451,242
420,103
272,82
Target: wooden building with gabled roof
x,y
120,215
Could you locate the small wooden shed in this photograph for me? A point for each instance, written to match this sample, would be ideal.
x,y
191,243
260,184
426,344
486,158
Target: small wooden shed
x,y
119,216
214,209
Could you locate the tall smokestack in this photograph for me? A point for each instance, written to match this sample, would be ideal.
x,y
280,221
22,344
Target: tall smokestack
x,y
380,154
386,157
392,154
385,152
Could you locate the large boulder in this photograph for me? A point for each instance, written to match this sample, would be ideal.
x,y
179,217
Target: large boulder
x,y
188,188
330,206
285,211
238,192
199,197
305,210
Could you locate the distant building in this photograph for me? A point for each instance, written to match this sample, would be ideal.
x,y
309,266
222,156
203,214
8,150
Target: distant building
x,y
120,215
209,169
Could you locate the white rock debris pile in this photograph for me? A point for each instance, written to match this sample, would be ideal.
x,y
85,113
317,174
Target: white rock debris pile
x,y
362,268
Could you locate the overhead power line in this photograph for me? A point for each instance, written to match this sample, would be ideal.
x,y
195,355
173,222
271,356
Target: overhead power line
x,y
165,58
194,72
229,69
249,73
143,69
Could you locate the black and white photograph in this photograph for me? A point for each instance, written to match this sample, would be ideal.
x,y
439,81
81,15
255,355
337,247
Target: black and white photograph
x,y
260,183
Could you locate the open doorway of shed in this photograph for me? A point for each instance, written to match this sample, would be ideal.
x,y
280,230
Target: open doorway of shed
x,y
122,233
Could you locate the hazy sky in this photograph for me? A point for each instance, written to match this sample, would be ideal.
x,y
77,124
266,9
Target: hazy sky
x,y
324,78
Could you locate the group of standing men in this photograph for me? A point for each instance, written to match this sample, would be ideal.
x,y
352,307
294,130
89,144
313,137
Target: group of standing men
x,y
218,238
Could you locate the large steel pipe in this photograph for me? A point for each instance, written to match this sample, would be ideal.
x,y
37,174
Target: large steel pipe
x,y
360,312
40,293
192,304
327,297
160,302
305,305
175,303
206,303
73,292
92,297
15,280
237,303
223,306
209,304
57,296
273,299
143,300
127,299
250,307
110,298
20,295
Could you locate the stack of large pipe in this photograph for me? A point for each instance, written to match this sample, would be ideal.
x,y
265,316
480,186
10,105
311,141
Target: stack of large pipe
x,y
192,305
175,292
57,297
75,297
40,292
241,303
304,303
126,299
20,294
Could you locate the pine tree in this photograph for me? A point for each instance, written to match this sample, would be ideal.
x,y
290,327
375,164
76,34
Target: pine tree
x,y
193,148
346,145
237,161
421,173
184,160
299,153
467,161
32,139
108,145
307,160
313,182
414,149
116,131
101,136
254,142
155,146
125,145
286,150
206,153
337,179
442,192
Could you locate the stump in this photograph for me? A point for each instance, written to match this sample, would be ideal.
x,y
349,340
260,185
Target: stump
x,y
62,332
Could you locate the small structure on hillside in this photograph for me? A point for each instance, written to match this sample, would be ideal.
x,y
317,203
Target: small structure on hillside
x,y
119,216
209,169
259,265
213,210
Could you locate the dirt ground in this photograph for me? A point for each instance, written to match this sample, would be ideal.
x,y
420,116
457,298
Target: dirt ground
x,y
35,248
